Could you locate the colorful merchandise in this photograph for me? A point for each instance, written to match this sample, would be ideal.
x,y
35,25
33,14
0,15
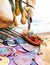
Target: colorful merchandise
x,y
4,60
6,51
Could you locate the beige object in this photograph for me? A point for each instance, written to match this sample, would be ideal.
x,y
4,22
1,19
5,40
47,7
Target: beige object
x,y
6,15
29,11
23,17
4,60
32,2
4,25
45,49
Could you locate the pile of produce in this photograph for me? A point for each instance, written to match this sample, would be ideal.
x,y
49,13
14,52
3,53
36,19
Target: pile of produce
x,y
33,38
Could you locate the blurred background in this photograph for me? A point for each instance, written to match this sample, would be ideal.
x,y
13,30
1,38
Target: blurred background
x,y
41,17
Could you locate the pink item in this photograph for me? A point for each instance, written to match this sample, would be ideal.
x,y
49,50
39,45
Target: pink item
x,y
38,60
0,59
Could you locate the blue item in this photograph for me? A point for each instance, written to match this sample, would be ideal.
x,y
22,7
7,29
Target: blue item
x,y
20,40
33,63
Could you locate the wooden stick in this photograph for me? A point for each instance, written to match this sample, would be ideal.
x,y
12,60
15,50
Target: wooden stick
x,y
28,4
6,34
15,32
4,30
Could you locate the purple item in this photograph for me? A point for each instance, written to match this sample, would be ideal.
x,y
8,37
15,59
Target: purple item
x,y
12,63
38,60
30,54
20,48
22,60
11,60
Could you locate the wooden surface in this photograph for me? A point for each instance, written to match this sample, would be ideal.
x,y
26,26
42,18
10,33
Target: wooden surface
x,y
45,48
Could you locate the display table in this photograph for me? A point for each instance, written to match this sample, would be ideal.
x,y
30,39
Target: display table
x,y
44,48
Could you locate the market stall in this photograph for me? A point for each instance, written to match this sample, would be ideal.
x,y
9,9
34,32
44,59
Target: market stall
x,y
25,48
